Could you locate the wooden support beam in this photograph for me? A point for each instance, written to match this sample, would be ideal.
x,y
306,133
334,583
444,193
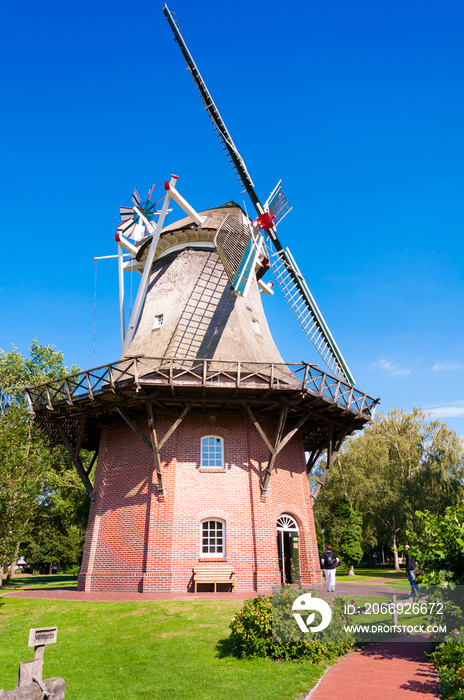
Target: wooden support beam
x,y
30,403
155,448
279,442
152,443
80,437
75,459
68,393
259,428
89,386
291,433
332,452
133,427
277,439
175,425
95,455
312,459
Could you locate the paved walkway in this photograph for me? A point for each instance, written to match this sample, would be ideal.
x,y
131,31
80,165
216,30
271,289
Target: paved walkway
x,y
387,671
380,587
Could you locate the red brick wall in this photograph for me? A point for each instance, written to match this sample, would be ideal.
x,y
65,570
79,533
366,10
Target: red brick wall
x,y
136,542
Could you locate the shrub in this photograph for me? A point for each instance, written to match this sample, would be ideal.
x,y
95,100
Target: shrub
x,y
448,659
265,626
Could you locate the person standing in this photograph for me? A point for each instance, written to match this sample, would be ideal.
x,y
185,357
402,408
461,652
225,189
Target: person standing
x,y
411,566
329,564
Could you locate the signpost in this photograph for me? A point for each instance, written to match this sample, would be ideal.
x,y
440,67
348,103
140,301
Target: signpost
x,y
31,671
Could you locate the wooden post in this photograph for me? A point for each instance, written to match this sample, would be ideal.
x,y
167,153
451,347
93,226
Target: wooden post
x,y
75,459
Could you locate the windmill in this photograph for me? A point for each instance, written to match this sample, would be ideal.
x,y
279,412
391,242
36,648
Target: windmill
x,y
281,261
203,437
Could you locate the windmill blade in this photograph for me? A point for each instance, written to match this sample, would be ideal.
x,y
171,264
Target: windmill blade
x,y
126,227
294,285
277,204
135,198
218,123
238,249
126,213
296,291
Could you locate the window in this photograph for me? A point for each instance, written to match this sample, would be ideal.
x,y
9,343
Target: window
x,y
212,452
158,322
213,538
255,325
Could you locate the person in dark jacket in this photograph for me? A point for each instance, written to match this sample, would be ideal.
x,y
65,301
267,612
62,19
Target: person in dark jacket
x,y
329,564
411,566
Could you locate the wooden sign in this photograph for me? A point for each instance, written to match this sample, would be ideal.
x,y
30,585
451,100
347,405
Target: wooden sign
x,y
42,635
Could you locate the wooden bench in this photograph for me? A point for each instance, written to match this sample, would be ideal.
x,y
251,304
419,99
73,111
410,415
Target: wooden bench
x,y
214,574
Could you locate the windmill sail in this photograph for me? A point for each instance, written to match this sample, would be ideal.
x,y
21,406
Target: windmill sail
x,y
238,250
297,292
278,204
307,312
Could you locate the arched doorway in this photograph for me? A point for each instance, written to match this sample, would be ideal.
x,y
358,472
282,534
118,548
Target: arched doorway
x,y
288,548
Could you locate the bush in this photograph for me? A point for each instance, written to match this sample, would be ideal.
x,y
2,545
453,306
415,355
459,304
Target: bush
x,y
448,659
265,626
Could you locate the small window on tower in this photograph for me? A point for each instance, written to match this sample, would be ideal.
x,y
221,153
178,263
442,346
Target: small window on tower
x,y
255,325
158,321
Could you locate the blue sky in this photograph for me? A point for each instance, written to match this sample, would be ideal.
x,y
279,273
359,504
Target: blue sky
x,y
357,106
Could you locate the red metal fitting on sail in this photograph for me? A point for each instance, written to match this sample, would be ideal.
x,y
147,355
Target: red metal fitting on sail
x,y
266,221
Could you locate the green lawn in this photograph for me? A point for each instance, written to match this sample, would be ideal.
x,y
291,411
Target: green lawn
x,y
371,575
33,582
147,650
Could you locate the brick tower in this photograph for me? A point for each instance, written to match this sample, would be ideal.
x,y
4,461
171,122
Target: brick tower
x,y
202,436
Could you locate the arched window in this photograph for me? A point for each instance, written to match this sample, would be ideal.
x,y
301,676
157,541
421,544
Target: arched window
x,y
287,523
212,452
213,542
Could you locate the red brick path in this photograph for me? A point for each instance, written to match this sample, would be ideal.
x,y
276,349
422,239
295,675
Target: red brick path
x,y
387,671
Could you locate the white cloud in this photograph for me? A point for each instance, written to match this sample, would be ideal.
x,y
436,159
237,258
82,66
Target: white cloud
x,y
452,410
391,368
447,366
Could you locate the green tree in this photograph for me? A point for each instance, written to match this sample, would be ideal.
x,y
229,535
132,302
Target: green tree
x,y
34,477
438,544
401,464
349,526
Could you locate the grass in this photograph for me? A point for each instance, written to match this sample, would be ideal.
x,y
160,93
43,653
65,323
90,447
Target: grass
x,y
155,649
32,582
371,575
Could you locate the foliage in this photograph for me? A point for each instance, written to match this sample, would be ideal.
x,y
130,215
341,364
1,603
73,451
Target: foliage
x,y
23,461
144,649
350,533
448,659
41,498
400,465
439,545
265,627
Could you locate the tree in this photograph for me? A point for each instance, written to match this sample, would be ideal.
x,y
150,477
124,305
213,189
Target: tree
x,y
22,465
438,545
349,543
33,475
396,467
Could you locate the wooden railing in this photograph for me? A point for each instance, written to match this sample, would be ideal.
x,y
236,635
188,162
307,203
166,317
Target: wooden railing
x,y
183,372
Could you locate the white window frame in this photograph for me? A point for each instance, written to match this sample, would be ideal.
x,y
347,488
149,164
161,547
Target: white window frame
x,y
204,465
158,322
212,541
